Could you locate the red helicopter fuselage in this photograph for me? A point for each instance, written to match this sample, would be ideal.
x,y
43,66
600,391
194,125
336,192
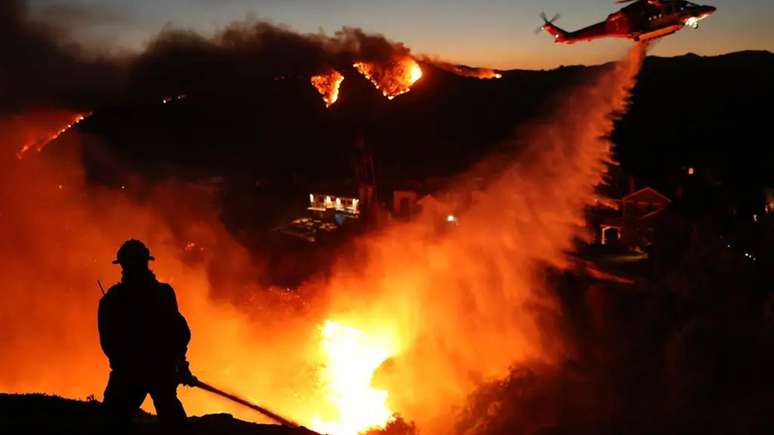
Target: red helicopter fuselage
x,y
641,21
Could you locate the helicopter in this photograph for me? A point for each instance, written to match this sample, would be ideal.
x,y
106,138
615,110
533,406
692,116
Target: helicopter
x,y
642,20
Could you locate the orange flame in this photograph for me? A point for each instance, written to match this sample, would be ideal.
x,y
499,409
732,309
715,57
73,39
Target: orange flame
x,y
352,357
328,86
38,144
486,74
393,79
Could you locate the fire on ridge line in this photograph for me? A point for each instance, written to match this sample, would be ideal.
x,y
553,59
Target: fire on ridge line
x,y
392,79
38,145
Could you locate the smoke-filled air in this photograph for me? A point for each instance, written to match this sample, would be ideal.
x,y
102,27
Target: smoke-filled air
x,y
365,239
403,330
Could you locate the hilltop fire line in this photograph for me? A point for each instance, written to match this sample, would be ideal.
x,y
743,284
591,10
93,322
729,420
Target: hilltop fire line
x,y
37,144
392,78
467,71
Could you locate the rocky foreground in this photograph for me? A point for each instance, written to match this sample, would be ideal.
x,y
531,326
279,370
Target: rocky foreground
x,y
23,414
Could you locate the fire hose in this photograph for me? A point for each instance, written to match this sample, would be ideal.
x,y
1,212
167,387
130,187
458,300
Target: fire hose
x,y
193,381
277,418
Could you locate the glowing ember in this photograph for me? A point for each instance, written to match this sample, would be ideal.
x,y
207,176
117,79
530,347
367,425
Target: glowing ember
x,y
38,145
328,86
487,74
180,97
352,358
393,79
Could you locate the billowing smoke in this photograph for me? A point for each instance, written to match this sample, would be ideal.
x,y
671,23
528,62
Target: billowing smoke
x,y
58,236
41,66
460,327
245,53
44,67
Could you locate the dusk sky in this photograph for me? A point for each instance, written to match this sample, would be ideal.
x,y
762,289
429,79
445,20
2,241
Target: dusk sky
x,y
494,33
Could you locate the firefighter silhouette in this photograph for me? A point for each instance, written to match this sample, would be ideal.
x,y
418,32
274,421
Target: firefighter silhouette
x,y
145,338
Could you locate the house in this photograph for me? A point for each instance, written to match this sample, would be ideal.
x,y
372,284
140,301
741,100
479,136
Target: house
x,y
768,201
321,203
643,202
404,203
629,221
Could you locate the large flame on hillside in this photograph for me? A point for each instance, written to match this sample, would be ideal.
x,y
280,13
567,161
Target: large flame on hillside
x,y
412,325
328,85
352,357
393,78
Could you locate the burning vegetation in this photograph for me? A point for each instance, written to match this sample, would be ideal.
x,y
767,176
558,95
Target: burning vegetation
x,y
37,143
328,85
352,358
467,71
392,78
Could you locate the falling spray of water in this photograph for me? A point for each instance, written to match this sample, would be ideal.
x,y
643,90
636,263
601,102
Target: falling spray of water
x,y
470,303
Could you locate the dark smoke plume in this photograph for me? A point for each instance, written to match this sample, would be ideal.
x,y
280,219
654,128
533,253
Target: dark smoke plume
x,y
246,53
41,67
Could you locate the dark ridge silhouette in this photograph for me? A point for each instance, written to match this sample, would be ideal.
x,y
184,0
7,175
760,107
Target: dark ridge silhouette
x,y
708,112
680,113
251,113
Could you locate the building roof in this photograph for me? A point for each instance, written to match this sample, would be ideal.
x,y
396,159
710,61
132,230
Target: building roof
x,y
433,204
651,214
645,191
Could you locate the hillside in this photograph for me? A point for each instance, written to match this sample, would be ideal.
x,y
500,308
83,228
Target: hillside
x,y
43,414
442,126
